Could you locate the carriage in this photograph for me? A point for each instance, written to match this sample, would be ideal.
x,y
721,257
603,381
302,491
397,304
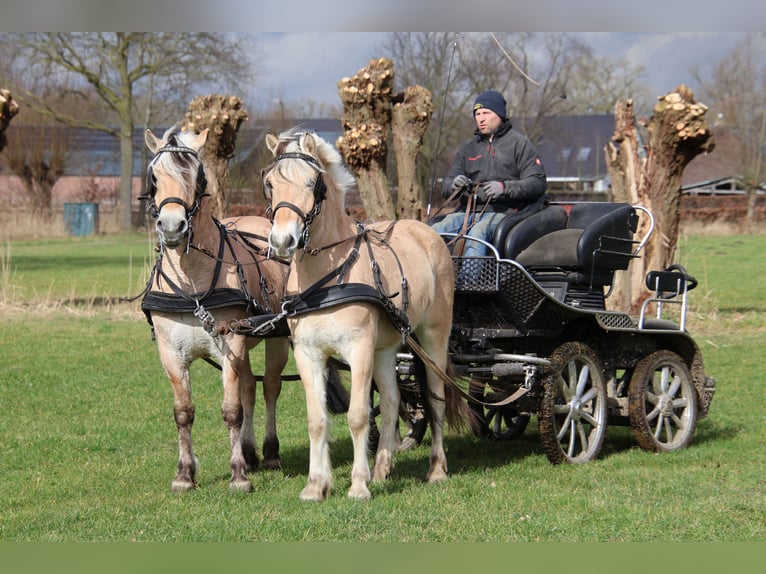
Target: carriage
x,y
527,326
532,331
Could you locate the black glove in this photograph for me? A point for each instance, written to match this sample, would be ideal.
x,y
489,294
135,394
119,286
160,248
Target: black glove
x,y
493,189
458,183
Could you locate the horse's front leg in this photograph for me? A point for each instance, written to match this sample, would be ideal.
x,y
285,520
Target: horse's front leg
x,y
361,365
276,355
238,382
183,412
311,367
388,391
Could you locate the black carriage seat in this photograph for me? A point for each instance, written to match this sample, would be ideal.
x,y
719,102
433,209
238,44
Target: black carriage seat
x,y
592,240
669,286
513,218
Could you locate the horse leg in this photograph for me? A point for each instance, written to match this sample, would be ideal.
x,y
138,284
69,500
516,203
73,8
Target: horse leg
x,y
236,372
385,377
247,431
183,412
276,358
359,420
437,470
313,374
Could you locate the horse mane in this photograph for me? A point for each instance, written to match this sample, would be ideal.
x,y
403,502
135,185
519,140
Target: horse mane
x,y
329,157
180,166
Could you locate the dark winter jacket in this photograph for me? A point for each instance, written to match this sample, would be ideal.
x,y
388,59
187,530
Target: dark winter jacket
x,y
509,157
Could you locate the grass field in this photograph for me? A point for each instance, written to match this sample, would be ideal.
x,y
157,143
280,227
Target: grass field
x,y
88,442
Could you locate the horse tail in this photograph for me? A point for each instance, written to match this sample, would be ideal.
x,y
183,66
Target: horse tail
x,y
336,394
459,415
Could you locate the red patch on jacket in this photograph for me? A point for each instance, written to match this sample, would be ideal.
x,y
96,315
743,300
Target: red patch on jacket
x,y
474,158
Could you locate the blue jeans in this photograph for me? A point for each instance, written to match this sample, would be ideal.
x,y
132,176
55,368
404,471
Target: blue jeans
x,y
481,227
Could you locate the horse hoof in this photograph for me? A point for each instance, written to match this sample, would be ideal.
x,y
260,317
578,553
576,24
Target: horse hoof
x,y
359,493
240,486
436,476
313,493
183,485
272,464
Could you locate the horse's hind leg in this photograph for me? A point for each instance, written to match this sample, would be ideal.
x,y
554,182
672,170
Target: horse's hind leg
x,y
276,359
385,377
247,432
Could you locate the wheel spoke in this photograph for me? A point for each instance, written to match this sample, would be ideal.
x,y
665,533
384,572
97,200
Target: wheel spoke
x,y
583,379
572,436
591,394
588,417
674,386
583,436
669,430
650,416
564,426
658,427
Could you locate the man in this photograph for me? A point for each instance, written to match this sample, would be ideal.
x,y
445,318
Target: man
x,y
501,166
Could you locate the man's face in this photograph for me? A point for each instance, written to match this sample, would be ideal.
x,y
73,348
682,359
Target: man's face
x,y
487,121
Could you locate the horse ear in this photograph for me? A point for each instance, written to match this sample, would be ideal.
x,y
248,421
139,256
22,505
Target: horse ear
x,y
200,140
308,143
272,141
152,141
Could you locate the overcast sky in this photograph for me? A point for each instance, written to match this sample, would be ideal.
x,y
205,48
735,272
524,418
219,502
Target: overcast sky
x,y
301,66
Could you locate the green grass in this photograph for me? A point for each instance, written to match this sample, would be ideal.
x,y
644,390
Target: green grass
x,y
88,442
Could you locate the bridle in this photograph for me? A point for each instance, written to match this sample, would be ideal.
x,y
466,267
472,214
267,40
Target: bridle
x,y
319,192
199,192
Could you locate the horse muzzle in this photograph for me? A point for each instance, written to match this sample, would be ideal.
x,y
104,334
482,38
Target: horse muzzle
x,y
172,227
285,243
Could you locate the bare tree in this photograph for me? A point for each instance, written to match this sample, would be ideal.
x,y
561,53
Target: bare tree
x,y
540,74
736,94
115,68
38,158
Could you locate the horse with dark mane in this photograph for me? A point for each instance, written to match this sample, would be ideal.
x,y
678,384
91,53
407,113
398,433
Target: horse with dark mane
x,y
356,291
210,272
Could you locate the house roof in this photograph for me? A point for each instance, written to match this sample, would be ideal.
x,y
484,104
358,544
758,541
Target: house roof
x,y
571,148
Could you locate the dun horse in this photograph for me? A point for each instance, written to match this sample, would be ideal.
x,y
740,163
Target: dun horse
x,y
356,290
210,272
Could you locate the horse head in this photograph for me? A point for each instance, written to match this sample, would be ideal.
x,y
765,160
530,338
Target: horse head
x,y
296,185
176,183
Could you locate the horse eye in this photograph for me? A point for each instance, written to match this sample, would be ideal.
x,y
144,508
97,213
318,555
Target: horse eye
x,y
267,189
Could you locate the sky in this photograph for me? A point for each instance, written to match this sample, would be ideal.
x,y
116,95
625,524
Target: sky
x,y
330,39
308,65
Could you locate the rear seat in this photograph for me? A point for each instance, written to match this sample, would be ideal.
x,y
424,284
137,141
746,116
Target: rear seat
x,y
594,239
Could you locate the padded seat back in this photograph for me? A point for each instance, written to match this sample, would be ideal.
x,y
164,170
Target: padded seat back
x,y
596,239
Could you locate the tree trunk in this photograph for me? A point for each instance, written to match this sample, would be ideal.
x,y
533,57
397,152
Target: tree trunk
x,y
366,101
223,115
650,176
8,109
410,119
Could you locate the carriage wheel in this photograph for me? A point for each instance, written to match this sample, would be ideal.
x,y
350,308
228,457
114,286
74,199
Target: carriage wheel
x,y
500,423
572,415
662,402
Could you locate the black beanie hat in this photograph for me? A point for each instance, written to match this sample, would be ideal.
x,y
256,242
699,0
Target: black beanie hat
x,y
491,100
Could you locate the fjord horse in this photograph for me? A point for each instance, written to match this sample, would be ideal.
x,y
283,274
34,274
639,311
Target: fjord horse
x,y
355,290
210,272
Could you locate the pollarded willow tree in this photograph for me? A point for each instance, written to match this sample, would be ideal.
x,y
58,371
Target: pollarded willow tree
x,y
117,70
8,109
651,175
222,115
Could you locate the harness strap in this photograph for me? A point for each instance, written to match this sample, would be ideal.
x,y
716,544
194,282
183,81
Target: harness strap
x,y
420,352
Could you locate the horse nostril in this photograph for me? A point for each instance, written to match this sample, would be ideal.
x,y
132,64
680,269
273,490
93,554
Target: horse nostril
x,y
183,226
